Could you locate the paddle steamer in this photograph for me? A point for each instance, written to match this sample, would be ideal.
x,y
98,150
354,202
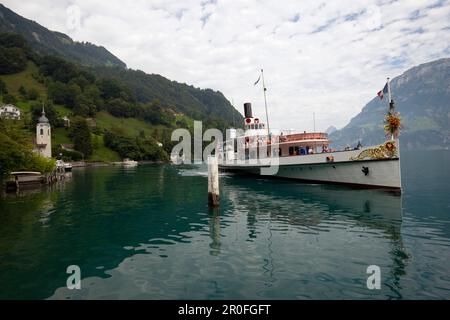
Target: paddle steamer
x,y
309,157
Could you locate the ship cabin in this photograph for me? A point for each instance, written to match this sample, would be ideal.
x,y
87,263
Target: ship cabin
x,y
282,143
301,144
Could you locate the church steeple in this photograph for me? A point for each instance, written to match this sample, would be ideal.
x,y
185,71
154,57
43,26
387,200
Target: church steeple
x,y
43,135
43,118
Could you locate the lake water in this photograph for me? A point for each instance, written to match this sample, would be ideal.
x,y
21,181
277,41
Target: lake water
x,y
147,233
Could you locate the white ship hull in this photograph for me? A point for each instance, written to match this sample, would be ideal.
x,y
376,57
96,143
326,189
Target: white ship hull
x,y
347,167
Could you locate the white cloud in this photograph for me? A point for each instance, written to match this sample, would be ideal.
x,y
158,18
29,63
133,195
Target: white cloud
x,y
329,58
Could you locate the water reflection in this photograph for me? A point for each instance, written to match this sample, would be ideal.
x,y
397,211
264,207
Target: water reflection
x,y
318,209
214,231
309,206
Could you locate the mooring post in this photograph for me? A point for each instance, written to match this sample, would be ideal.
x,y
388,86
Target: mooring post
x,y
213,181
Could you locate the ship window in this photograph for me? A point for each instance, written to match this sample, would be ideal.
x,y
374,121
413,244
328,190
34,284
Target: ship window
x,y
252,126
42,132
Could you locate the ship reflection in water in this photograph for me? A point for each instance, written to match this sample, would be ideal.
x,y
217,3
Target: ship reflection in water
x,y
269,240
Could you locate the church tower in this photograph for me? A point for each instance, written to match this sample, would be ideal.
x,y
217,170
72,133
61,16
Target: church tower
x,y
44,136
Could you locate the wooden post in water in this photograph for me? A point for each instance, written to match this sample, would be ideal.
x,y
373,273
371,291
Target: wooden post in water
x,y
213,181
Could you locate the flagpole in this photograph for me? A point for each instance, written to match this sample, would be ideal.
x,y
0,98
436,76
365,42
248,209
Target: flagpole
x,y
265,101
389,90
390,102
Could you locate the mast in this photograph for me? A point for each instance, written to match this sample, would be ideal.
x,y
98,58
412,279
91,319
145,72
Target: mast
x,y
390,102
314,120
389,91
265,102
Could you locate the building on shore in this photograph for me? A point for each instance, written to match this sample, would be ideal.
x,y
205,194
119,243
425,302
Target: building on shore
x,y
43,136
10,111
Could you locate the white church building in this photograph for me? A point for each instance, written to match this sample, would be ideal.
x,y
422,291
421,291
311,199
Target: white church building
x,y
43,136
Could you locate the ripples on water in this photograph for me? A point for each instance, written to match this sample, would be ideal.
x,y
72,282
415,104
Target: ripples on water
x,y
146,233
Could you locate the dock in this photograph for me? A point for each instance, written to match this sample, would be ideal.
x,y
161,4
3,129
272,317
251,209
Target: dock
x,y
23,180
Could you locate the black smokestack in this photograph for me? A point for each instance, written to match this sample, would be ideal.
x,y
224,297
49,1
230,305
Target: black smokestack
x,y
248,110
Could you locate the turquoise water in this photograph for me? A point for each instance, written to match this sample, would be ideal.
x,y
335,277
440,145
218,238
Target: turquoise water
x,y
147,233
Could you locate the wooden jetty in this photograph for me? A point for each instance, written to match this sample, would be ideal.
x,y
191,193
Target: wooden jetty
x,y
32,179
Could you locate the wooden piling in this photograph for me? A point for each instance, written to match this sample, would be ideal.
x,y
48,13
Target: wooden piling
x,y
213,182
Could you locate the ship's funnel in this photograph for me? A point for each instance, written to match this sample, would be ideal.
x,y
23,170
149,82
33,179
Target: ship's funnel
x,y
248,110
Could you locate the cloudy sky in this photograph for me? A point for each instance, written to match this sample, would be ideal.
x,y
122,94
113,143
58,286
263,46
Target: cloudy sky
x,y
327,57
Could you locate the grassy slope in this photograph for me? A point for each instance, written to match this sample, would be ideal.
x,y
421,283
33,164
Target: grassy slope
x,y
102,153
130,126
25,79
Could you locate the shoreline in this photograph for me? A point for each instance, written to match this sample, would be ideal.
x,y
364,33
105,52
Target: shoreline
x,y
82,164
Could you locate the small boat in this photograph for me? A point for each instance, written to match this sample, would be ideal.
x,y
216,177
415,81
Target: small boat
x,y
63,166
68,167
129,163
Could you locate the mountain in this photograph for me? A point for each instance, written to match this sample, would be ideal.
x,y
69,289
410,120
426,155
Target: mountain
x,y
194,102
331,129
48,42
422,96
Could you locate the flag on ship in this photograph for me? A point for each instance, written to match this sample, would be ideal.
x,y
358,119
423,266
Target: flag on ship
x,y
383,92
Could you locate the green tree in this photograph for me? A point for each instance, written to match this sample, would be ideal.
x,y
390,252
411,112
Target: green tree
x,y
13,40
9,98
12,60
81,136
93,95
58,68
110,88
23,92
16,152
72,95
121,108
136,148
33,94
85,106
3,88
57,92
